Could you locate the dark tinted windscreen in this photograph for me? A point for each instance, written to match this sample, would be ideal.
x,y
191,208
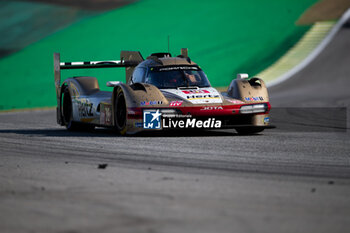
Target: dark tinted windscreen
x,y
173,77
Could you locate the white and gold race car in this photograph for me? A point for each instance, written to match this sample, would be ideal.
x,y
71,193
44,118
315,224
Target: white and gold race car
x,y
161,92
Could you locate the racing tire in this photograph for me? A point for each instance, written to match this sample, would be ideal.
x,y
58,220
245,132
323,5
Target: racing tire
x,y
248,131
120,113
67,112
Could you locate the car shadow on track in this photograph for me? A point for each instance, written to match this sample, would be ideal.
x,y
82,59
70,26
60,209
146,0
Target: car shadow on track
x,y
102,132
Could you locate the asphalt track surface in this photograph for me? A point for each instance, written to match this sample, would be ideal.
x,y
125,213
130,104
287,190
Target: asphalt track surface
x,y
283,180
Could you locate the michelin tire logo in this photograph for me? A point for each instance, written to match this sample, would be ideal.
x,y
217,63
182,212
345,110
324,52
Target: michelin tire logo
x,y
151,119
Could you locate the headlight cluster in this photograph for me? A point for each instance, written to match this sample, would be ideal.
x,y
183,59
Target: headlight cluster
x,y
254,108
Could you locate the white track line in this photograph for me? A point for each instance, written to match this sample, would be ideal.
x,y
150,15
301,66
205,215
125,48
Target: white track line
x,y
314,53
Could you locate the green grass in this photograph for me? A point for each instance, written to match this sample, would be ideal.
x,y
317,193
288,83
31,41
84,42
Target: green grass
x,y
223,37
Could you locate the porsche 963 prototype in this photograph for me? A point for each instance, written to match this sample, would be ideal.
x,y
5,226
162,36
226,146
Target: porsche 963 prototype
x,y
161,92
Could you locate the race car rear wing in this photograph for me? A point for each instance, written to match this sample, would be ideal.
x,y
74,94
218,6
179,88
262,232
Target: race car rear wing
x,y
128,59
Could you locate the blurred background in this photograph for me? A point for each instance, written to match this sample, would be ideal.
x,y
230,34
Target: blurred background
x,y
224,37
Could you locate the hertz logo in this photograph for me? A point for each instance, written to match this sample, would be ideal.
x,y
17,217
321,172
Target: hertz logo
x,y
203,97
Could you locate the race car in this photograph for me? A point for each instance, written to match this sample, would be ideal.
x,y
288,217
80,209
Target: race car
x,y
160,93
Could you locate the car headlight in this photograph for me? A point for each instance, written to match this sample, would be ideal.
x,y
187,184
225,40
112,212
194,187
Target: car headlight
x,y
253,108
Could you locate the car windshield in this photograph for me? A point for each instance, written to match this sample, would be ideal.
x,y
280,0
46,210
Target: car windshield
x,y
175,76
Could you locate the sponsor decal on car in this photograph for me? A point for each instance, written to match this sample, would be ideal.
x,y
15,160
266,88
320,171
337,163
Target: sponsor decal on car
x,y
258,98
176,103
176,68
138,124
106,115
191,97
266,120
153,119
84,108
210,108
155,102
235,101
196,92
197,96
